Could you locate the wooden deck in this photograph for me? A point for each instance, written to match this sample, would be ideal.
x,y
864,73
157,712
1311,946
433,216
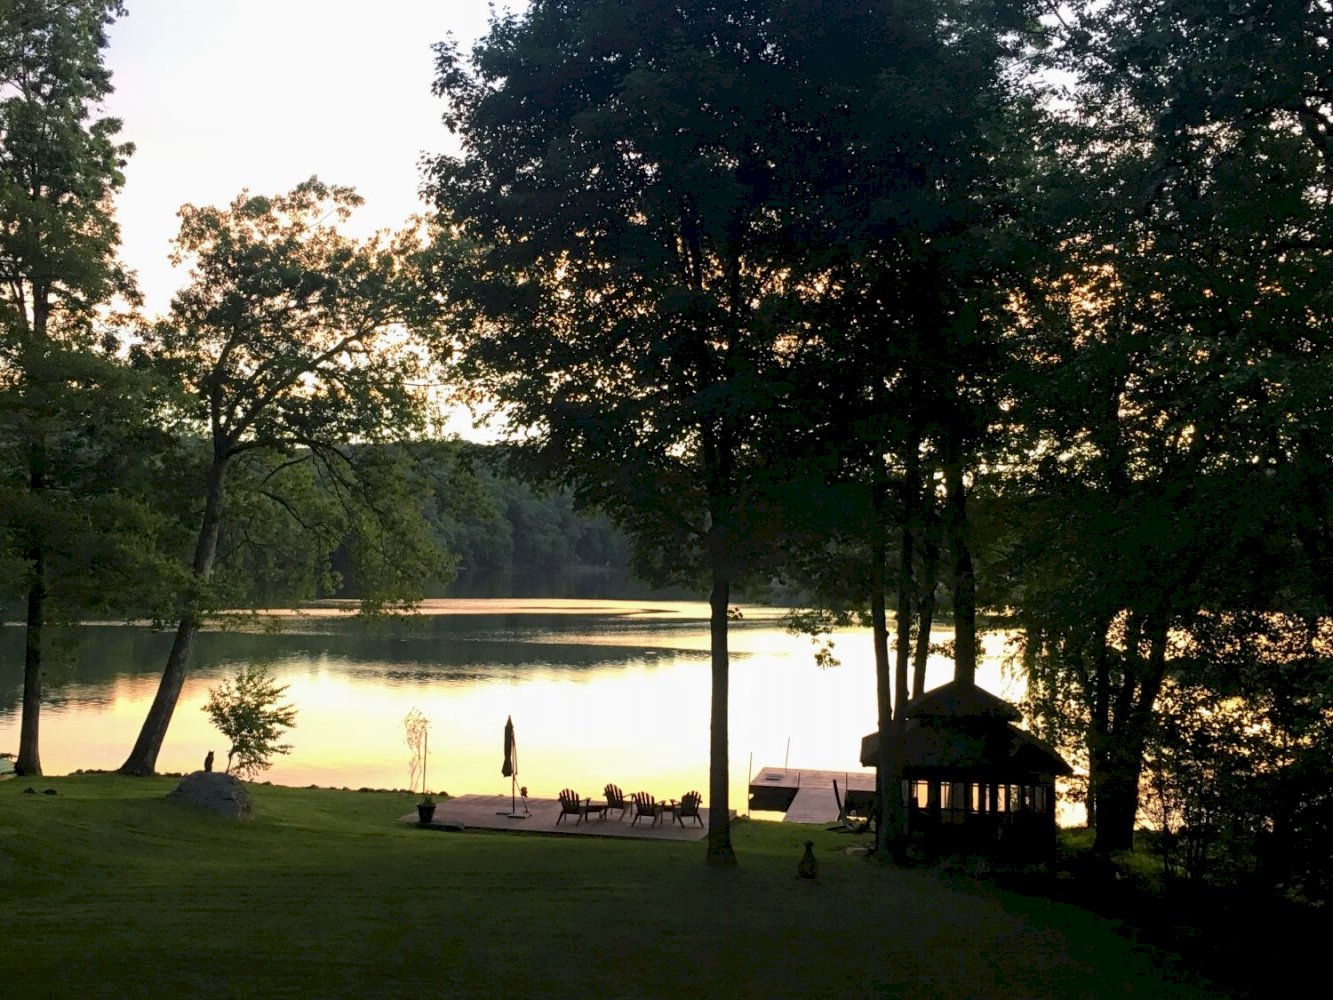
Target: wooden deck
x,y
806,796
492,812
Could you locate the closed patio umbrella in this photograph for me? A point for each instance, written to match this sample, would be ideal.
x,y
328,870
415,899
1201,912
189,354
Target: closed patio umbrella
x,y
510,769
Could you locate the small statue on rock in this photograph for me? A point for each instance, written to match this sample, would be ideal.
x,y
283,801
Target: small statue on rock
x,y
806,869
208,761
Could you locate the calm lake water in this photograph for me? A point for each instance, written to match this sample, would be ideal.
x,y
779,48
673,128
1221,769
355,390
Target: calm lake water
x,y
600,691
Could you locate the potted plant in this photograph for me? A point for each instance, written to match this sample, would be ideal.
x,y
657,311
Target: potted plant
x,y
425,810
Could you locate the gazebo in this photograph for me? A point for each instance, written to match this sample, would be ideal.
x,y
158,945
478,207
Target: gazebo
x,y
974,782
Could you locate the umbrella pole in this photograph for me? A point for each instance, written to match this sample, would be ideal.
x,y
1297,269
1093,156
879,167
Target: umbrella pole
x,y
513,799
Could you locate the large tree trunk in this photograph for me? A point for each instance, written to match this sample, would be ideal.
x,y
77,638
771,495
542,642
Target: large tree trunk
x,y
1116,779
1117,799
903,650
143,757
721,538
925,609
719,807
29,760
964,580
888,771
893,765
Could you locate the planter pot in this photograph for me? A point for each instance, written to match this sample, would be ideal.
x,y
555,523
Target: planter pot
x,y
425,814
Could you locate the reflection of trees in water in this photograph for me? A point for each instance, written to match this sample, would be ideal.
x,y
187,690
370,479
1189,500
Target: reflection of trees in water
x,y
513,662
455,648
443,633
83,662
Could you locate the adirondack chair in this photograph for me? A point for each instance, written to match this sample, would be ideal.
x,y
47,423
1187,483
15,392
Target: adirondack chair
x,y
843,825
689,808
615,799
645,805
572,805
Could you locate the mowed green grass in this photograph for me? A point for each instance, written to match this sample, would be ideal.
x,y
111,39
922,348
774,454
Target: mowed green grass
x,y
110,890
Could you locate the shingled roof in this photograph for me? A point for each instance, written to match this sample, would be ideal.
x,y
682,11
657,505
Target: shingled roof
x,y
961,699
938,736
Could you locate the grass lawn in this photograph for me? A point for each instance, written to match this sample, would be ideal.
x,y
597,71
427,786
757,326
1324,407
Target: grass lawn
x,y
109,890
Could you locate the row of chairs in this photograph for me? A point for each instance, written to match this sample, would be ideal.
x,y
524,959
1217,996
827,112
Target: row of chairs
x,y
642,804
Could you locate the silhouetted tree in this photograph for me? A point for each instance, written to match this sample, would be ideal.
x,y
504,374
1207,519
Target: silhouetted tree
x,y
291,341
75,533
1179,360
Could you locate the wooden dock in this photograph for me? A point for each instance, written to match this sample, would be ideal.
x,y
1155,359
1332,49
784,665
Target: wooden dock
x,y
806,796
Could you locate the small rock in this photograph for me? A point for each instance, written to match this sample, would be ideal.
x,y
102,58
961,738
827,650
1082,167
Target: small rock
x,y
30,790
49,791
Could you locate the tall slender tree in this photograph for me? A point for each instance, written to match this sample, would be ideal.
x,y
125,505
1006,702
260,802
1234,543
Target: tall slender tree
x,y
60,166
628,168
295,344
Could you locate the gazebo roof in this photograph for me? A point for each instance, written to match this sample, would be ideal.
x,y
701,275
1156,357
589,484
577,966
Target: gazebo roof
x,y
1006,753
959,726
961,699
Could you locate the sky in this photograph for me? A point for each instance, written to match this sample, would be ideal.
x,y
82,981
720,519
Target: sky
x,y
223,95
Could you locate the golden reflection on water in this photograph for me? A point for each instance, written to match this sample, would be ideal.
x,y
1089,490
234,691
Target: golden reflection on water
x,y
638,718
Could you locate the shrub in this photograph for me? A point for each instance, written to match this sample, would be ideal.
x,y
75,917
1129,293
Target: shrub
x,y
248,713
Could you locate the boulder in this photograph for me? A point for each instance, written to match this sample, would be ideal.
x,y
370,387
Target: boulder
x,y
215,791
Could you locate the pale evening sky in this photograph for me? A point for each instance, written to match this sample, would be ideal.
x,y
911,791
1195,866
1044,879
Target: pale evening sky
x,y
220,95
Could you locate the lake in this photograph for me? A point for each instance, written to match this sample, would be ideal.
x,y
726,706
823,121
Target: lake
x,y
599,691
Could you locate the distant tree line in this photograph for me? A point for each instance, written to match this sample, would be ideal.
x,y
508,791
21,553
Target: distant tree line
x,y
508,533
496,532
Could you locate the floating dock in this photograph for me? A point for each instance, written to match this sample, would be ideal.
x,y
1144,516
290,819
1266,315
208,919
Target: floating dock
x,y
806,796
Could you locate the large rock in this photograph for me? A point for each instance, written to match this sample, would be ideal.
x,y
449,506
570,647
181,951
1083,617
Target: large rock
x,y
221,793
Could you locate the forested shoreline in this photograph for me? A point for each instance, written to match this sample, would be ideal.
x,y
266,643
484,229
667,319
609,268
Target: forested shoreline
x,y
506,537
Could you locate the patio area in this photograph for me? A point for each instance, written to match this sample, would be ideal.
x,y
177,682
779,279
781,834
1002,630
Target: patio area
x,y
492,812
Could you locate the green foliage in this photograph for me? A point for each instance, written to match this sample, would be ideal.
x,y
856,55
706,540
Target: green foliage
x,y
631,356
296,345
383,492
248,712
1234,786
1171,468
288,333
59,167
288,340
79,432
281,526
501,526
691,228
